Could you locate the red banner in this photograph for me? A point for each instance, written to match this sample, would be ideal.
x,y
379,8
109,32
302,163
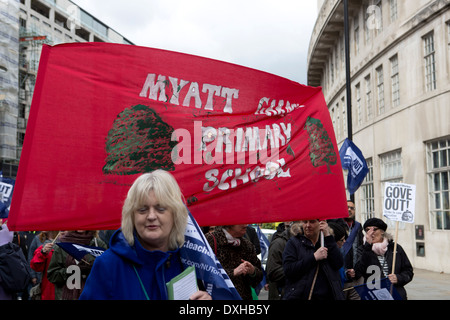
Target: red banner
x,y
244,145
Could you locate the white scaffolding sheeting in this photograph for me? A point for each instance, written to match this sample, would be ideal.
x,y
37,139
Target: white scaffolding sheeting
x,y
9,77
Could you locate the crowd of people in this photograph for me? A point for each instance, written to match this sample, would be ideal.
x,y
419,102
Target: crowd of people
x,y
302,266
307,260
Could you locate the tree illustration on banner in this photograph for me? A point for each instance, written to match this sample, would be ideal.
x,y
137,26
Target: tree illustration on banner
x,y
322,151
138,142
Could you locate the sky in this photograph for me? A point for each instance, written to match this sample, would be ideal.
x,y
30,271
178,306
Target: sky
x,y
267,35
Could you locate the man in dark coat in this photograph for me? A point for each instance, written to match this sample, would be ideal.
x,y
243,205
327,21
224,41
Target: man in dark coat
x,y
274,267
312,271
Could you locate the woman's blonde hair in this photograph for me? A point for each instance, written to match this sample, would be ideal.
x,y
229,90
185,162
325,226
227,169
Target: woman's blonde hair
x,y
168,193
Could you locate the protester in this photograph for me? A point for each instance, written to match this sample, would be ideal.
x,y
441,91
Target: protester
x,y
238,257
312,271
14,269
36,243
207,229
145,253
6,236
378,251
106,235
40,262
24,239
352,252
274,267
58,271
340,236
251,235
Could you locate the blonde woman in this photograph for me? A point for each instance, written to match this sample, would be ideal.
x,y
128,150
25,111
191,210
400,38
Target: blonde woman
x,y
144,253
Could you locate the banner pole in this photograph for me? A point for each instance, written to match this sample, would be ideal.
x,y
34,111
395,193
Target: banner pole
x,y
394,253
395,247
54,240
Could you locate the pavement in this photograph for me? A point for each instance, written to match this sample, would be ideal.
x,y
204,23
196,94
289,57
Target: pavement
x,y
426,285
429,285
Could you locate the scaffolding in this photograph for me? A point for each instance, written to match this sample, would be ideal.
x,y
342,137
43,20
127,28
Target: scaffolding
x,y
30,51
9,51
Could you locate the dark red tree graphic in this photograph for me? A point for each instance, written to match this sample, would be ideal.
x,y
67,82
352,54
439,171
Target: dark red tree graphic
x,y
139,141
322,151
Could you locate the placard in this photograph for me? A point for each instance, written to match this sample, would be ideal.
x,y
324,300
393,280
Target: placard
x,y
399,202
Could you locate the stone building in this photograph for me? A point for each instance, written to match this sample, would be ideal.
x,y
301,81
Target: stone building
x,y
400,110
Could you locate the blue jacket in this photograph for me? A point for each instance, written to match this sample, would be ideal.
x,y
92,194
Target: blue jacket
x,y
113,277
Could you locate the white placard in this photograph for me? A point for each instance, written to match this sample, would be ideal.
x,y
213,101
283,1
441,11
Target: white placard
x,y
399,202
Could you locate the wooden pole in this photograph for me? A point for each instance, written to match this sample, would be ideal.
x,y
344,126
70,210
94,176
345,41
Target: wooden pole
x,y
394,255
395,248
54,240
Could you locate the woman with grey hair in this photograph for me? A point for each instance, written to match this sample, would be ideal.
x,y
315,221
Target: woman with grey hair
x,y
144,254
378,252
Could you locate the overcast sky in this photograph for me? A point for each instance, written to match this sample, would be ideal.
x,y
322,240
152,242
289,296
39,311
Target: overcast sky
x,y
267,35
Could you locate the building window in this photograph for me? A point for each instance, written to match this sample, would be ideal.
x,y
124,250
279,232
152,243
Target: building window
x,y
395,82
368,97
378,16
332,69
380,89
338,122
448,36
438,163
430,62
368,24
356,34
367,194
358,103
393,10
391,171
333,119
344,117
391,167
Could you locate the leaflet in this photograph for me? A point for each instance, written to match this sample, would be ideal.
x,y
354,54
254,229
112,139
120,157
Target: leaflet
x,y
183,285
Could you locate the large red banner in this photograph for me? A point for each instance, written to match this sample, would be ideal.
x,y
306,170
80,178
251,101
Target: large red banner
x,y
244,145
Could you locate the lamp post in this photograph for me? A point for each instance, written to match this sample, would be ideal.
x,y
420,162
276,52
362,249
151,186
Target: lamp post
x,y
348,79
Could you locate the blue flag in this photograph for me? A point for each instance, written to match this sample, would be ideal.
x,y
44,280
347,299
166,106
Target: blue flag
x,y
378,290
197,252
353,160
78,251
263,242
6,192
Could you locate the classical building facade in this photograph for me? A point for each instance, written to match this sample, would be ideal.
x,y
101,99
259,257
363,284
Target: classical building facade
x,y
25,25
400,109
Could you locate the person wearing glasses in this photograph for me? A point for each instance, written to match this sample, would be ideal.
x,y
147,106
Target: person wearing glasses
x,y
352,250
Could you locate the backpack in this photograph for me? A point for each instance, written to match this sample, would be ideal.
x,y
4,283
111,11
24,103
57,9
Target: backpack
x,y
14,273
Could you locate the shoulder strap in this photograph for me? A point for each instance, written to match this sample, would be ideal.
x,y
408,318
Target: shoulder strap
x,y
142,285
215,244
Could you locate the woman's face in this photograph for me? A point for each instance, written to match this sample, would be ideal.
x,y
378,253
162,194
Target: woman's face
x,y
238,230
153,224
374,234
311,228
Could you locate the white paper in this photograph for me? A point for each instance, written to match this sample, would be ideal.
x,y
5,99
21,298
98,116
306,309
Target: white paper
x,y
184,285
399,202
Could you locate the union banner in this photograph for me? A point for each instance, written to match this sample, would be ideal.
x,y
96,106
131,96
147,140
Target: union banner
x,y
245,146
